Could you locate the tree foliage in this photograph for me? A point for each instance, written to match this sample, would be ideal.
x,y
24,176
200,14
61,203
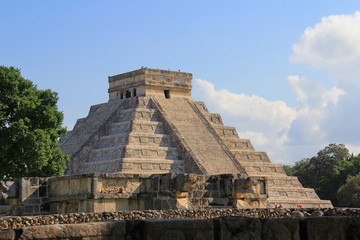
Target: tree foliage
x,y
327,171
349,193
30,128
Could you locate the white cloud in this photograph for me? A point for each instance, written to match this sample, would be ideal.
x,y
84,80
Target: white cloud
x,y
326,116
275,114
311,94
333,42
321,116
313,102
272,126
265,123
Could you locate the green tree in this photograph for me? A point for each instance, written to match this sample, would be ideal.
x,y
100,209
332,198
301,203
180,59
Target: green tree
x,y
289,170
30,128
349,194
326,171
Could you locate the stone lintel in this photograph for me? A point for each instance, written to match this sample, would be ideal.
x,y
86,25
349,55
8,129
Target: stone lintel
x,y
150,71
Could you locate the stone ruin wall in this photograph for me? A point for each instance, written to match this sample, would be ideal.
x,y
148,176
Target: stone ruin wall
x,y
111,192
189,224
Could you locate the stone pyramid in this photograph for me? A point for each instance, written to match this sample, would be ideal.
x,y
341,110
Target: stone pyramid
x,y
151,125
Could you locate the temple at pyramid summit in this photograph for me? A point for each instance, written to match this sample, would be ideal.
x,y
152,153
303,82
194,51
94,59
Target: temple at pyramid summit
x,y
151,125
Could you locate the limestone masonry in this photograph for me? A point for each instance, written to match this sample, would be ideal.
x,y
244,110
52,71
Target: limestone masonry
x,y
152,147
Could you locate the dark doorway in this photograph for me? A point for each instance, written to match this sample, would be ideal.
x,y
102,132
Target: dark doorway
x,y
128,94
167,93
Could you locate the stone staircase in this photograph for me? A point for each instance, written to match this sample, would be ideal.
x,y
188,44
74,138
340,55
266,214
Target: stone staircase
x,y
196,132
282,189
134,142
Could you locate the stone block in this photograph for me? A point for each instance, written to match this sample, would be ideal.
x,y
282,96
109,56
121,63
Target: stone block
x,y
241,204
36,208
43,192
122,204
13,188
178,229
156,167
32,201
5,209
155,183
132,186
69,207
100,230
178,182
34,181
127,166
165,166
331,228
45,207
28,209
146,166
238,228
143,187
218,201
158,204
198,193
165,182
227,186
134,230
149,204
7,234
280,228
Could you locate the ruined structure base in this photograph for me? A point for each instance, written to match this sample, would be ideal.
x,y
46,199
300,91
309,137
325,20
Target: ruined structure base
x,y
111,192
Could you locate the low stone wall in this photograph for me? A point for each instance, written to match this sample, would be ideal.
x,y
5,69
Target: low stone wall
x,y
16,222
225,227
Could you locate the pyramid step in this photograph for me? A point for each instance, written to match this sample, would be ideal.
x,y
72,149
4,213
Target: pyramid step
x,y
292,193
250,156
214,118
148,127
106,166
235,143
201,106
154,165
262,169
133,151
285,181
162,140
135,138
142,151
136,126
294,203
133,165
119,128
106,153
113,140
226,131
138,114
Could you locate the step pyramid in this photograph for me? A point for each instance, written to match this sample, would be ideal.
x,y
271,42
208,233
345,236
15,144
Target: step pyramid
x,y
132,140
151,125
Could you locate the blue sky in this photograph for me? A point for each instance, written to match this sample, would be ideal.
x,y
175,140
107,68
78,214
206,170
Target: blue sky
x,y
290,90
